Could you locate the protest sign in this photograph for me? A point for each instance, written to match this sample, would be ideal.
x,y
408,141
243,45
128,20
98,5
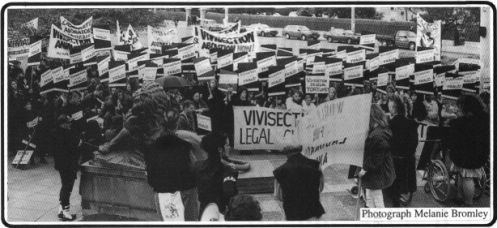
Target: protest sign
x,y
45,78
202,65
120,55
258,128
22,157
233,28
204,122
317,84
264,60
389,56
228,80
149,72
61,43
403,75
101,39
469,78
117,74
268,48
131,38
372,62
425,56
356,56
276,80
247,77
313,44
80,32
335,132
452,88
311,56
18,47
244,42
381,82
134,59
352,75
333,69
103,68
213,55
423,81
88,54
429,35
240,57
186,51
157,38
77,115
31,24
367,41
224,60
77,78
34,56
172,67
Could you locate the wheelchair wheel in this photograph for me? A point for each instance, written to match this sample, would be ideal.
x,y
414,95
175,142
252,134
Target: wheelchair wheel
x,y
480,185
439,181
406,199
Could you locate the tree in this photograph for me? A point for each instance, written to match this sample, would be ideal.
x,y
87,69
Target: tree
x,y
364,13
451,17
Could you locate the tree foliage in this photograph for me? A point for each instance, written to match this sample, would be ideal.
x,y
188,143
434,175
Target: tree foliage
x,y
451,17
363,13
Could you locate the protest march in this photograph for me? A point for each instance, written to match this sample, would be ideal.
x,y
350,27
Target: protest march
x,y
194,121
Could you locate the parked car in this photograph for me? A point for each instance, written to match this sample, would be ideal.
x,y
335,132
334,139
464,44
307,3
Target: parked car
x,y
401,38
212,25
342,35
299,32
262,29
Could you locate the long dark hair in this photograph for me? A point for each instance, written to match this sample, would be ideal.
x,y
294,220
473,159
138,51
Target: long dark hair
x,y
470,104
211,142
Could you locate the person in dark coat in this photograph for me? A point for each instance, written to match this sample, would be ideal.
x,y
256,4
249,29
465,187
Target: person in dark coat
x,y
65,143
186,118
92,138
378,171
403,144
240,99
217,107
298,184
469,143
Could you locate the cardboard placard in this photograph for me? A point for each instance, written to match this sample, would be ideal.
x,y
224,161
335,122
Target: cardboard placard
x,y
204,122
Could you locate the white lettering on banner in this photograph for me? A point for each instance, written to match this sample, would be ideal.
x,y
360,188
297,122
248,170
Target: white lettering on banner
x,y
18,48
425,56
318,68
203,67
58,75
214,57
103,66
404,72
204,122
367,39
33,123
335,132
88,53
172,68
148,73
117,73
310,57
77,115
156,38
76,58
453,84
342,54
353,72
225,60
186,52
333,69
422,77
228,79
77,78
264,64
258,128
60,43
248,77
356,56
317,84
373,64
276,78
389,56
82,31
291,69
244,42
35,48
439,79
120,55
101,34
46,78
382,79
242,59
133,63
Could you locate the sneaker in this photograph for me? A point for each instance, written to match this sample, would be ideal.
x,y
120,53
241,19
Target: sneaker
x,y
59,214
66,216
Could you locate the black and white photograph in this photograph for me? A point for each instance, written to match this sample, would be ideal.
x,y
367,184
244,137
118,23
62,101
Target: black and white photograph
x,y
247,113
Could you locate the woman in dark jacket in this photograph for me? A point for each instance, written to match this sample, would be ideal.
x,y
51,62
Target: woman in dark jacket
x,y
403,144
469,144
212,173
92,138
377,171
419,112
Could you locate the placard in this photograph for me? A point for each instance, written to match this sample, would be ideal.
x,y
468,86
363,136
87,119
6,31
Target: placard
x,y
225,60
353,72
389,56
439,79
77,115
172,68
148,73
291,69
318,68
103,66
117,73
333,69
276,78
77,78
422,77
58,75
203,67
317,84
382,79
46,78
404,72
373,64
264,64
204,122
356,56
248,77
26,157
425,56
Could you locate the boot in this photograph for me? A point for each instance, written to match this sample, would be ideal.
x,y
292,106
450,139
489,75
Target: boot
x,y
66,215
60,211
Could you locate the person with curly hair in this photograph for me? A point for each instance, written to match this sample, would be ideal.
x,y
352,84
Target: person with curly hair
x,y
243,208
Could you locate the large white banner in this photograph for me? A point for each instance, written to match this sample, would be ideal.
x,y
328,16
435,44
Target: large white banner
x,y
82,31
31,24
244,42
18,47
335,132
157,38
60,43
258,128
429,35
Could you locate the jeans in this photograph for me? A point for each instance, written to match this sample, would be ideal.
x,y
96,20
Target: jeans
x,y
190,202
67,179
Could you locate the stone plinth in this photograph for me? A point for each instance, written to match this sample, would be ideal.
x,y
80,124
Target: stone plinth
x,y
259,179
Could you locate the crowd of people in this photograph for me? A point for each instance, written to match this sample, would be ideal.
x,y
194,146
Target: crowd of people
x,y
161,120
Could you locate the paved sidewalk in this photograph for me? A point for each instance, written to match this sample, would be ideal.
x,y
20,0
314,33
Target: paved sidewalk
x,y
33,197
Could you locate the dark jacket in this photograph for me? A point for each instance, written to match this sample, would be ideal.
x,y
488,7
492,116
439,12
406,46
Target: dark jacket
x,y
217,110
211,176
403,144
300,178
65,153
168,165
378,164
186,123
469,141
